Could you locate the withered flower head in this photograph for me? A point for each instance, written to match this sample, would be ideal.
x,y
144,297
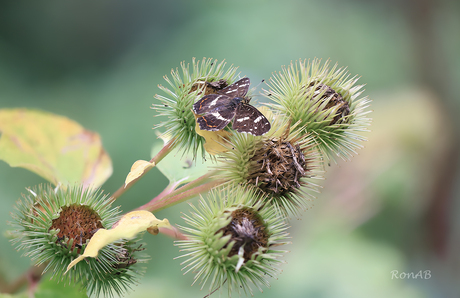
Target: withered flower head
x,y
326,102
247,233
282,164
54,226
331,99
278,165
76,225
232,239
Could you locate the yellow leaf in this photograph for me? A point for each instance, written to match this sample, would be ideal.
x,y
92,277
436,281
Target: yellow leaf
x,y
54,147
214,139
127,227
137,169
279,124
266,112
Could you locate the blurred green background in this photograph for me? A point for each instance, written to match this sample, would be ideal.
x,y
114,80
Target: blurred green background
x,y
392,207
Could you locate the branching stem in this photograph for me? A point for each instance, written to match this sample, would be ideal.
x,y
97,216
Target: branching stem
x,y
168,147
181,196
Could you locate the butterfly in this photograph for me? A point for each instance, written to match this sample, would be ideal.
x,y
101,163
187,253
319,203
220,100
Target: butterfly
x,y
219,109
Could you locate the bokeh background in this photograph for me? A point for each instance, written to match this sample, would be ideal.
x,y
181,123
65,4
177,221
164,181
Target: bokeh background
x,y
392,207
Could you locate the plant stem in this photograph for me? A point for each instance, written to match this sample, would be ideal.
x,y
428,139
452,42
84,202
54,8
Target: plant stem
x,y
168,147
170,192
174,233
165,194
181,197
170,189
195,182
32,276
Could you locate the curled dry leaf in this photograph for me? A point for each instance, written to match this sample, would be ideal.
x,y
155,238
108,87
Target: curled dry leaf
x,y
127,227
137,169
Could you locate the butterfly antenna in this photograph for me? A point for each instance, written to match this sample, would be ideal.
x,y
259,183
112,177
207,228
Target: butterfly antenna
x,y
252,90
203,83
209,72
257,86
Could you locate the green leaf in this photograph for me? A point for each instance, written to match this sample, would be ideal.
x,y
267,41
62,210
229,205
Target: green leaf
x,y
177,166
52,146
53,289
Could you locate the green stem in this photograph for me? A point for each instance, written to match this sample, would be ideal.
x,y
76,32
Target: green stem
x,y
168,147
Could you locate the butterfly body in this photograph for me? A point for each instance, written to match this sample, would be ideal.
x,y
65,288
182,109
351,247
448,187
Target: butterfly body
x,y
229,104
